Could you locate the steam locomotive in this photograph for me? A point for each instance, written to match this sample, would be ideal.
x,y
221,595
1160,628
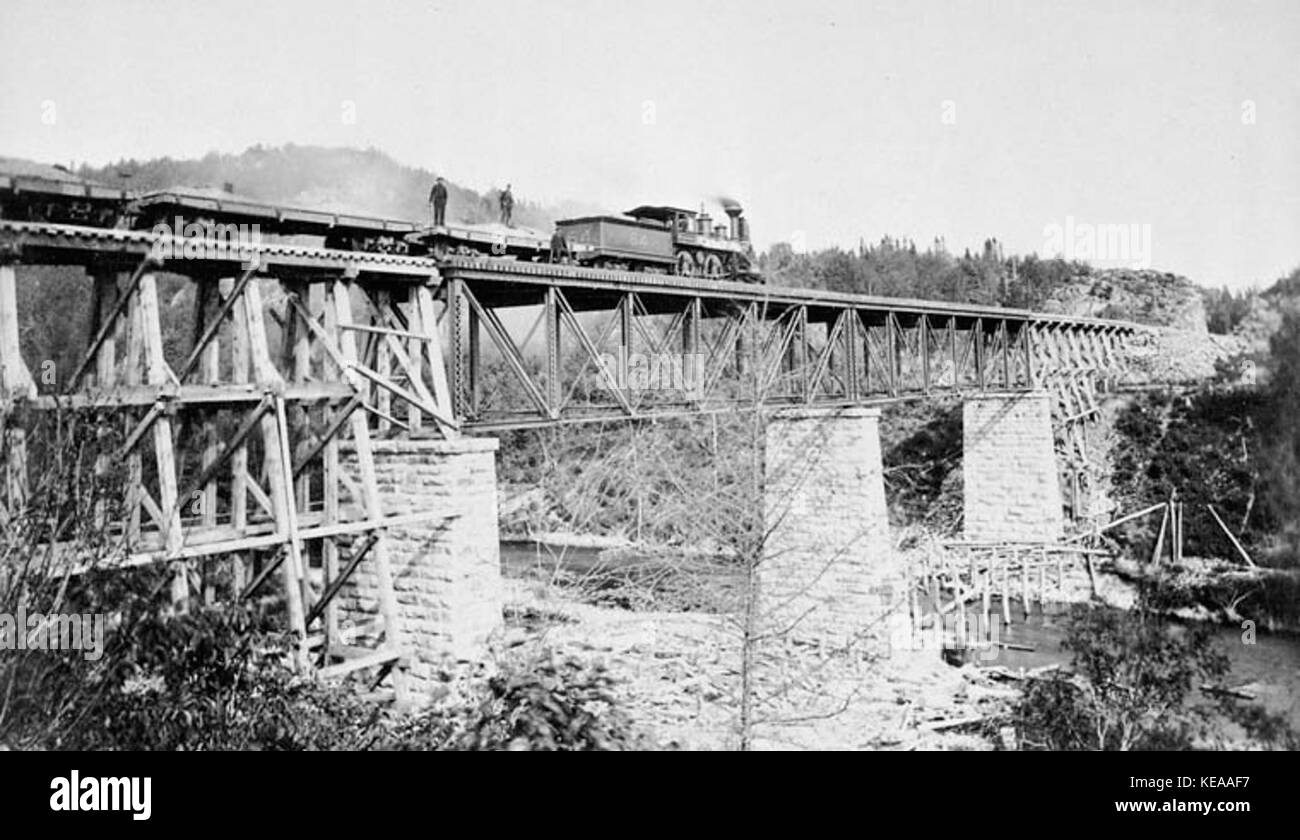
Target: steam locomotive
x,y
655,239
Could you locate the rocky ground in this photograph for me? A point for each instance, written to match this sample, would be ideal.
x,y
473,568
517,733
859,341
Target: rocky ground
x,y
680,677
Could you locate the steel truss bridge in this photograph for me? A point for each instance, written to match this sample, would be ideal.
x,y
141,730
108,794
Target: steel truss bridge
x,y
297,357
777,346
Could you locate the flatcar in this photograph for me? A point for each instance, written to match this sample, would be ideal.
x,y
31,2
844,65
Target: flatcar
x,y
206,206
48,194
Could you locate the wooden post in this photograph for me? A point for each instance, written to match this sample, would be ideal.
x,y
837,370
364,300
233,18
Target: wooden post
x,y
1006,594
383,364
330,478
986,584
296,356
1178,532
156,373
338,298
1024,583
105,362
279,473
209,373
1235,542
134,375
961,617
1160,537
415,357
240,372
16,383
437,365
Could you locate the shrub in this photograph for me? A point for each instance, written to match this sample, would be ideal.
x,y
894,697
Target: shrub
x,y
219,679
548,703
1131,689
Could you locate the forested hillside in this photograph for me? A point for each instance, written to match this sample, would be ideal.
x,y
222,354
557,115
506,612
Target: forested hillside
x,y
366,181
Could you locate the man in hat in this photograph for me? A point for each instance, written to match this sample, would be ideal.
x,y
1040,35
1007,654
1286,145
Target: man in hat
x,y
559,247
438,198
507,202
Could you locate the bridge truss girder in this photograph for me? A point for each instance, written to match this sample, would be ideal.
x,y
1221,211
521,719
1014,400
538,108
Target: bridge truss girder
x,y
769,346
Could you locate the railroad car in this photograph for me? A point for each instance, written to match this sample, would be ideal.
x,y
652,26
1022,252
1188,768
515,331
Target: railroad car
x,y
49,194
649,238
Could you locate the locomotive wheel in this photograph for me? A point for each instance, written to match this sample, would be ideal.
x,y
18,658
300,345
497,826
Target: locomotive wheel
x,y
685,264
712,266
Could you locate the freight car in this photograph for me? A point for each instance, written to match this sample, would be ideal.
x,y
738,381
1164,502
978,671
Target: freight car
x,y
49,194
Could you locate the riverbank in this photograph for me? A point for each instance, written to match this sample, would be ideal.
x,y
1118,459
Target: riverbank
x,y
679,676
663,626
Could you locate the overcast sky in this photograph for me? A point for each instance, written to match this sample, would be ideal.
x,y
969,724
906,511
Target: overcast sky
x,y
830,121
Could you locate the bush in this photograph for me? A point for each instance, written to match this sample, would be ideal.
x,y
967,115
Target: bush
x,y
220,679
1132,689
548,703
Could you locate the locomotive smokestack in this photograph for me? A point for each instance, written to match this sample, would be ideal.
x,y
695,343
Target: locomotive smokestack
x,y
734,210
737,224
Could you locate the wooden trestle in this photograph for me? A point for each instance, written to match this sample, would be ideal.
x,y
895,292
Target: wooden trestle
x,y
259,477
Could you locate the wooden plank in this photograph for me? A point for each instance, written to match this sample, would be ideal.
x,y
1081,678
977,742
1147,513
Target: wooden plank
x,y
15,379
383,415
331,470
156,373
213,326
297,360
336,582
1235,543
437,364
412,371
386,385
264,541
329,548
277,468
1160,538
338,297
299,572
254,489
213,464
336,419
414,358
383,398
220,395
106,299
210,374
369,328
109,324
378,658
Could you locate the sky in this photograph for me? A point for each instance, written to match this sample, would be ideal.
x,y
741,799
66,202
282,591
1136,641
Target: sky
x,y
830,121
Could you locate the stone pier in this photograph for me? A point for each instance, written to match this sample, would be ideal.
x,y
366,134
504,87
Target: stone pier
x,y
828,573
446,574
1012,490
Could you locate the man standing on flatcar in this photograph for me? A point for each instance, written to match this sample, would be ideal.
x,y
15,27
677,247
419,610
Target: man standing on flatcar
x,y
507,202
438,198
559,247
